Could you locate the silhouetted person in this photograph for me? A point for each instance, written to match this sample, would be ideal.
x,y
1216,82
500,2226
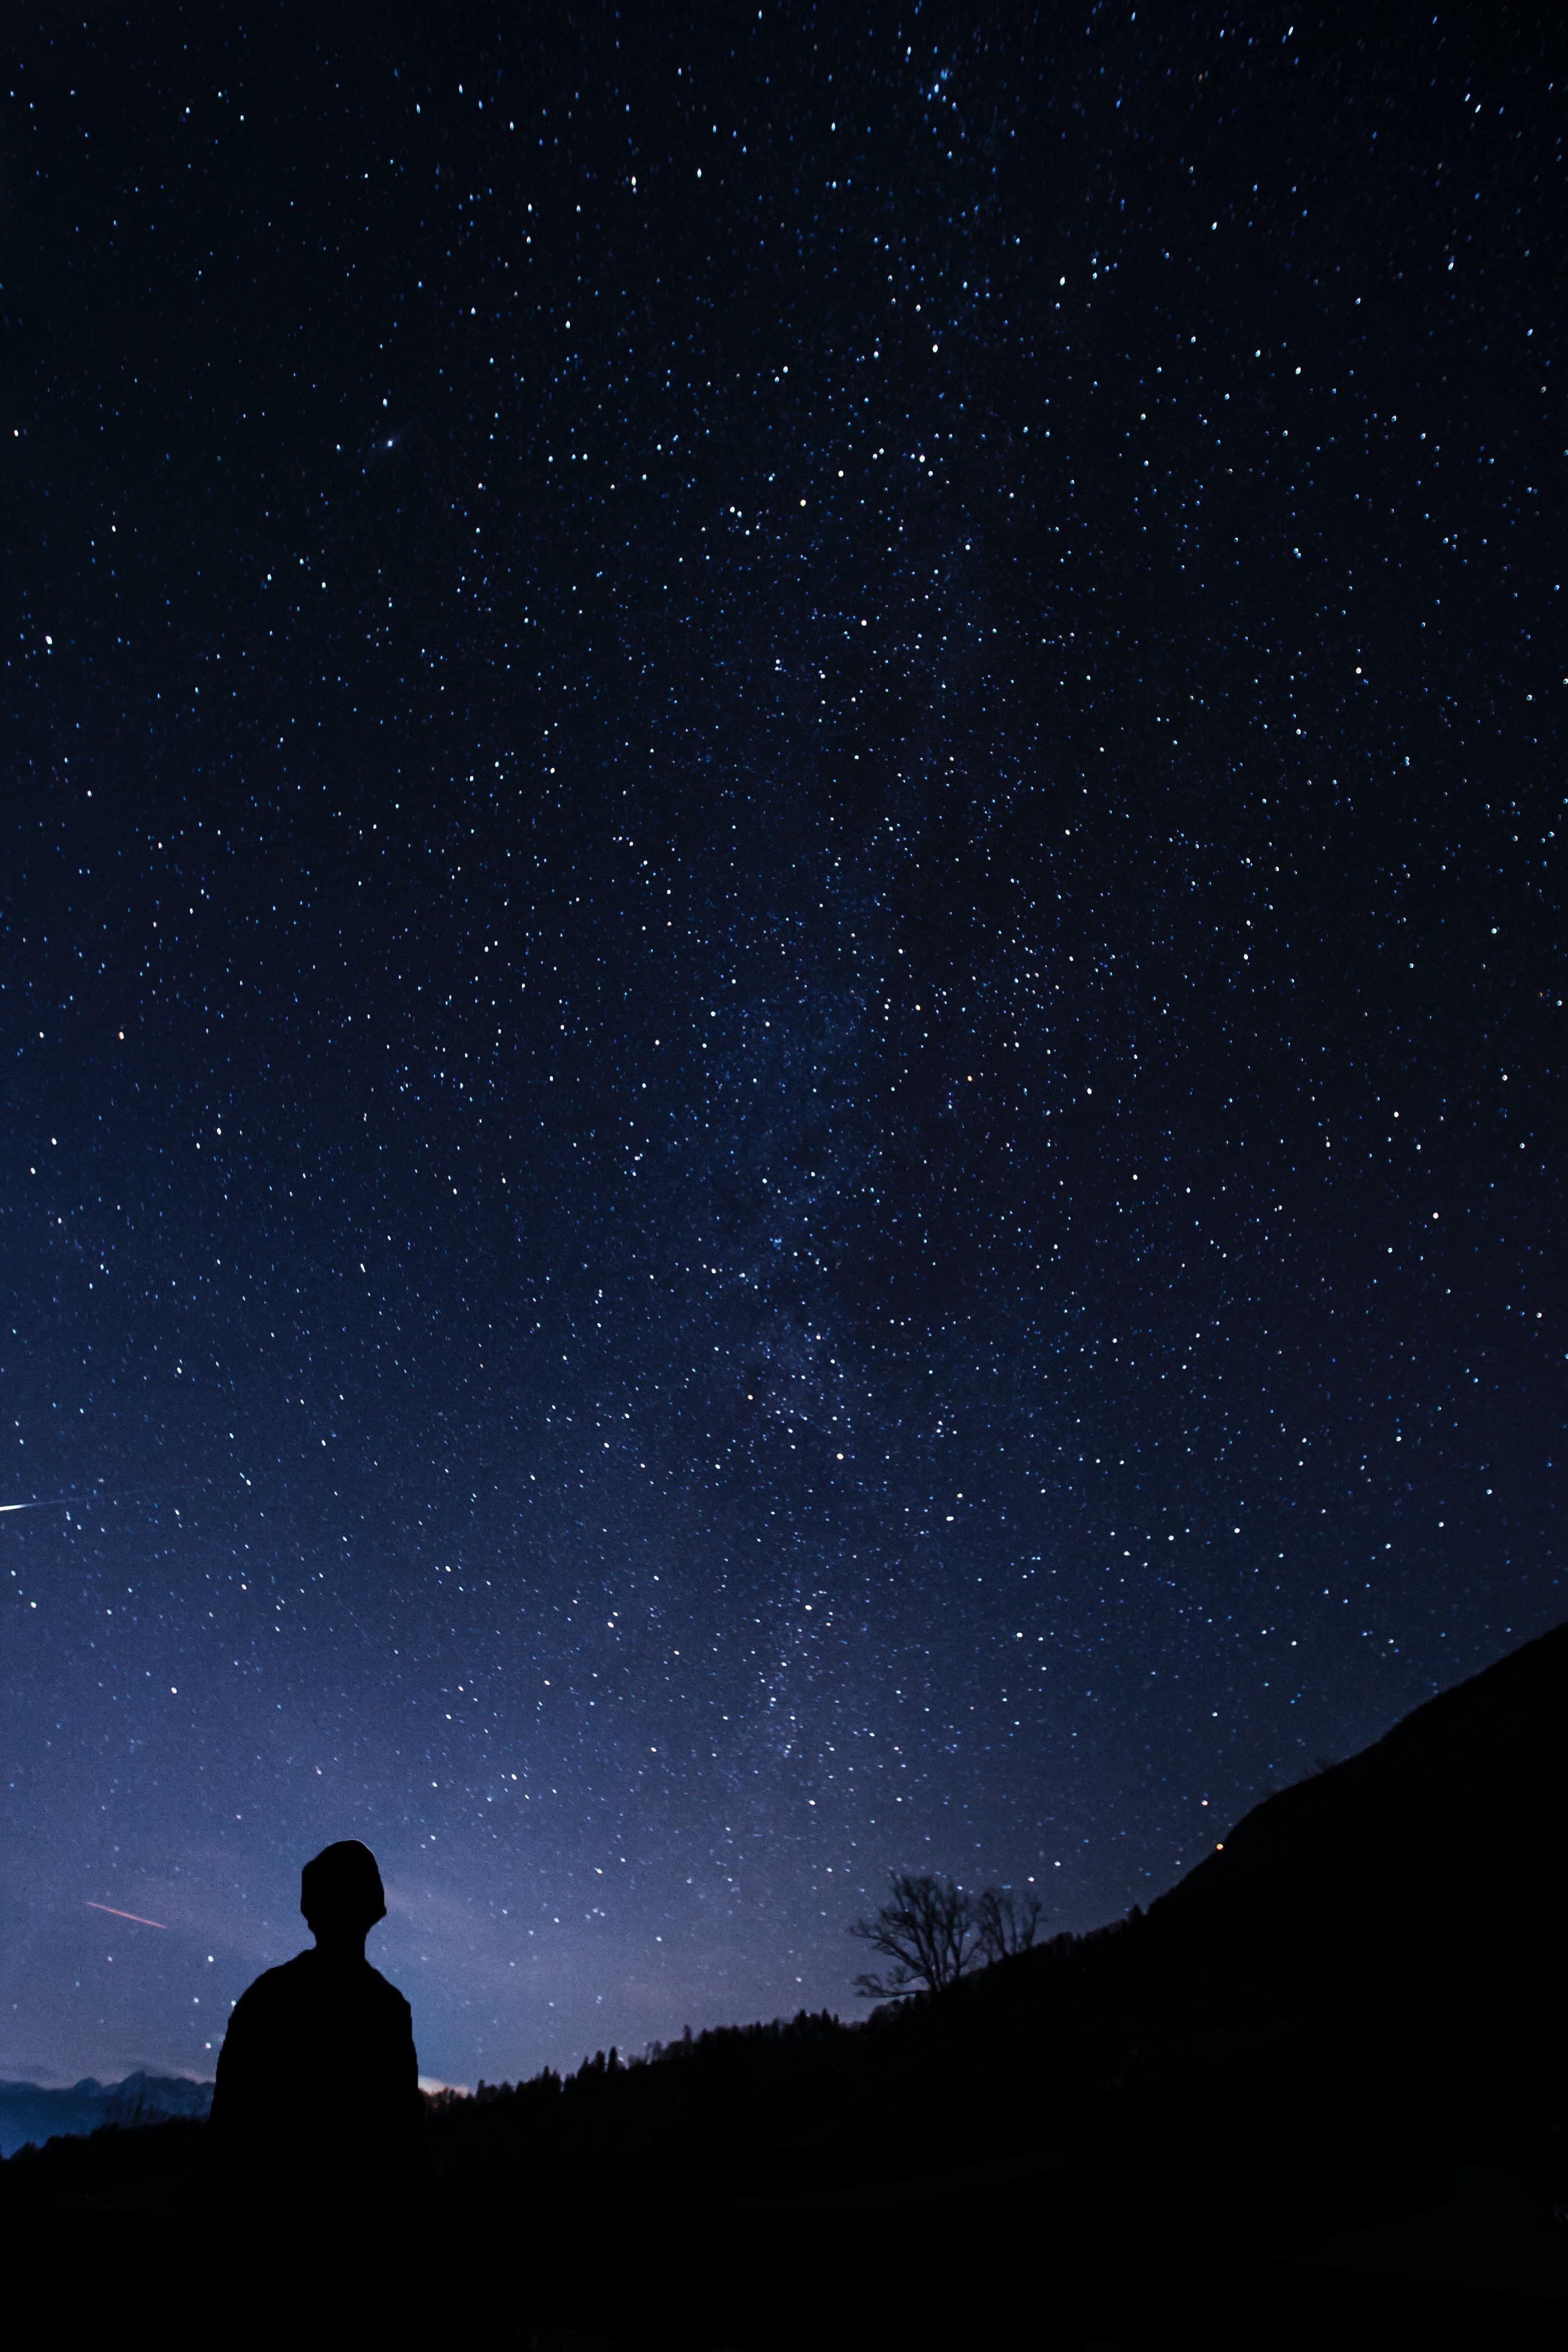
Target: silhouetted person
x,y
317,2120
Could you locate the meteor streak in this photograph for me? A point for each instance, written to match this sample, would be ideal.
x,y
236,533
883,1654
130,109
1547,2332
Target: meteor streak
x,y
128,1915
64,1502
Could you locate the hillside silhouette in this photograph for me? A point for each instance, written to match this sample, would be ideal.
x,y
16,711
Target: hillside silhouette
x,y
1316,2091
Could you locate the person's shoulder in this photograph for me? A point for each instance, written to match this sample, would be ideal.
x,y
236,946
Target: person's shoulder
x,y
278,1984
386,1993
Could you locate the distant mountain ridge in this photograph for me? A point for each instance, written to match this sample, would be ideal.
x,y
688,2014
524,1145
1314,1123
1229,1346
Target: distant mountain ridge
x,y
31,2115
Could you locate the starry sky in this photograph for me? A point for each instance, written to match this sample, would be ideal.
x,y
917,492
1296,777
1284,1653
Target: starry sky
x,y
780,999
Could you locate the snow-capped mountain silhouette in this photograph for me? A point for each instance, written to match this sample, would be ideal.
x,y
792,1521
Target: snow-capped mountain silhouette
x,y
31,2115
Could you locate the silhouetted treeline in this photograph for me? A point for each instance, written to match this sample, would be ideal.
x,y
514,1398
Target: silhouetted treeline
x,y
672,2088
1048,2023
120,2168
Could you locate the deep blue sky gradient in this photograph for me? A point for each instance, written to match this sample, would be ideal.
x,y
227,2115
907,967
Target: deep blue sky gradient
x,y
782,993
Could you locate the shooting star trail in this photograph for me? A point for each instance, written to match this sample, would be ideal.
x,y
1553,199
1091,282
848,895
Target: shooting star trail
x,y
128,1915
69,1502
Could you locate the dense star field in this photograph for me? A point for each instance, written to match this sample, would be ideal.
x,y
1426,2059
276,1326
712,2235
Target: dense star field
x,y
781,997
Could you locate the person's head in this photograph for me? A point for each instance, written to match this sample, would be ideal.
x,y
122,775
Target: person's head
x,y
341,1895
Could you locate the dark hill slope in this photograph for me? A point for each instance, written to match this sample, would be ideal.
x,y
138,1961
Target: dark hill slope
x,y
1416,1893
1148,2132
1446,1835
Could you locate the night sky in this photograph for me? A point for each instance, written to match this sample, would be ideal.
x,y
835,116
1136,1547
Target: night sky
x,y
781,998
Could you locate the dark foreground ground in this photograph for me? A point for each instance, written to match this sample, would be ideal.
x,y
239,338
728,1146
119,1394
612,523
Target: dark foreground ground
x,y
955,2267
1229,2209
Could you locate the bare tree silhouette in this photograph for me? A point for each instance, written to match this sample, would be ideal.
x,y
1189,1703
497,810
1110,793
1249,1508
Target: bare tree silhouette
x,y
1003,1924
935,1932
927,1930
